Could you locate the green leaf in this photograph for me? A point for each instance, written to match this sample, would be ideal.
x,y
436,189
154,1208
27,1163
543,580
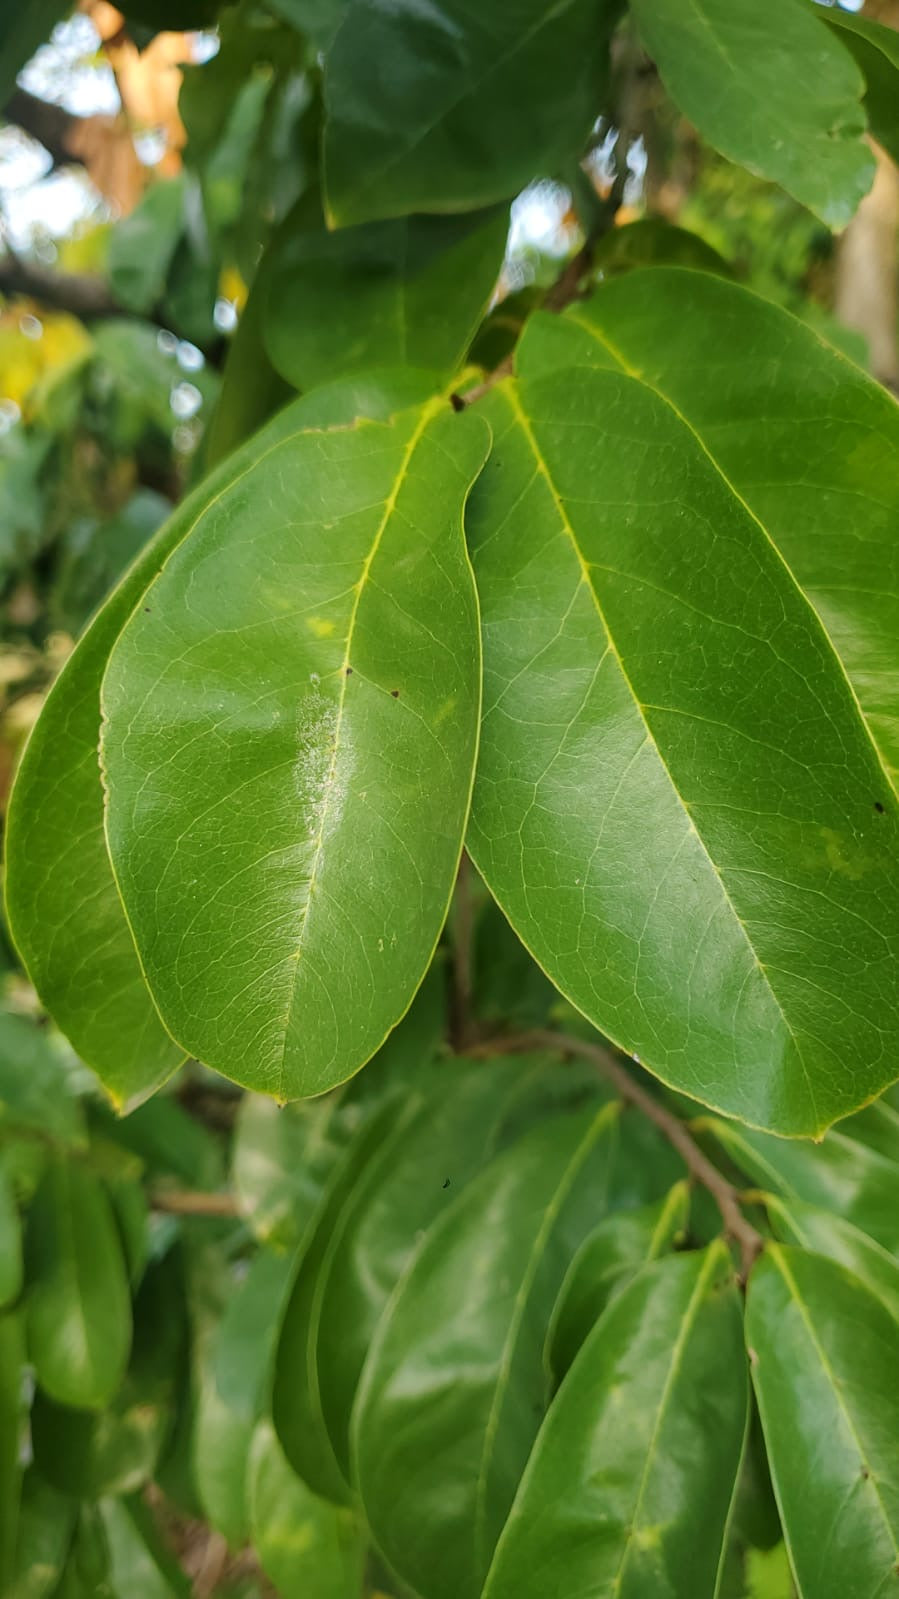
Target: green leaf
x,y
64,910
876,49
142,245
669,830
304,1544
630,1483
78,1306
233,1392
138,1562
289,756
44,1533
654,242
605,1264
839,1175
318,19
36,1091
455,1383
795,1222
296,1400
282,1156
419,1170
824,1354
10,1244
762,391
478,101
731,67
12,1364
411,290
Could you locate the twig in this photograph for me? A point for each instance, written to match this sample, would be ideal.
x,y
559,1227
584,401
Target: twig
x,y
701,1169
462,1028
187,1202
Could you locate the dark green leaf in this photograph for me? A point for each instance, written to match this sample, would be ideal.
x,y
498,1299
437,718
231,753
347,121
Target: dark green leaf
x,y
289,755
794,1222
142,245
876,49
12,1364
668,830
654,242
467,105
304,1544
824,1354
630,1483
25,28
46,1524
36,1091
10,1244
731,67
410,290
318,19
455,1385
604,1265
78,1306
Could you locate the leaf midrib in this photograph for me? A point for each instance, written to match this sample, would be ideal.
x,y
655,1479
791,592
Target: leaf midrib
x,y
586,579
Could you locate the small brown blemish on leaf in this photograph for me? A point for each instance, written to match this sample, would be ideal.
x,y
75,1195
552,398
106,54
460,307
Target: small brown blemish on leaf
x,y
349,671
446,1182
147,609
878,807
395,693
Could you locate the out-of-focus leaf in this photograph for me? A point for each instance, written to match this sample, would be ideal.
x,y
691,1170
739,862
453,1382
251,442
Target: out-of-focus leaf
x,y
45,1527
604,1265
337,740
78,1305
630,1483
454,1387
654,242
233,1391
12,1362
10,1244
93,553
305,1545
142,245
824,1353
721,59
138,1562
794,1222
166,1140
413,289
24,29
468,105
876,49
36,1092
839,1175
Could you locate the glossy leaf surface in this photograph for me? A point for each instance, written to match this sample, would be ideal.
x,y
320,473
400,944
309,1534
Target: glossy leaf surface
x,y
604,1265
455,1383
824,1354
629,1485
290,733
696,841
470,102
794,1222
413,290
78,1305
304,1544
720,60
64,909
876,49
763,392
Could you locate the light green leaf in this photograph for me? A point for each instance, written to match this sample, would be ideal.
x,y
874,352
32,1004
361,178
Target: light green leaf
x,y
304,1544
282,1156
233,1392
78,1306
138,1562
695,840
142,244
455,1383
795,1222
44,1533
840,1175
605,1264
876,49
12,1364
416,1174
291,720
762,392
824,1353
64,910
10,1244
731,67
630,1483
296,1400
413,290
37,1093
477,101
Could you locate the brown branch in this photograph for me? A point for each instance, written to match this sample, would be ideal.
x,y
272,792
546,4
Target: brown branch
x,y
700,1168
186,1202
86,297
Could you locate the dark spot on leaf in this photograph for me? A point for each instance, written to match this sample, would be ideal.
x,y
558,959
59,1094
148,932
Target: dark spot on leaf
x,y
865,1473
878,807
147,609
349,671
446,1182
395,692
457,402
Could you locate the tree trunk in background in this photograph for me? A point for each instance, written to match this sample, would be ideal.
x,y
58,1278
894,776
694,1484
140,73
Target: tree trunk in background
x,y
867,276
